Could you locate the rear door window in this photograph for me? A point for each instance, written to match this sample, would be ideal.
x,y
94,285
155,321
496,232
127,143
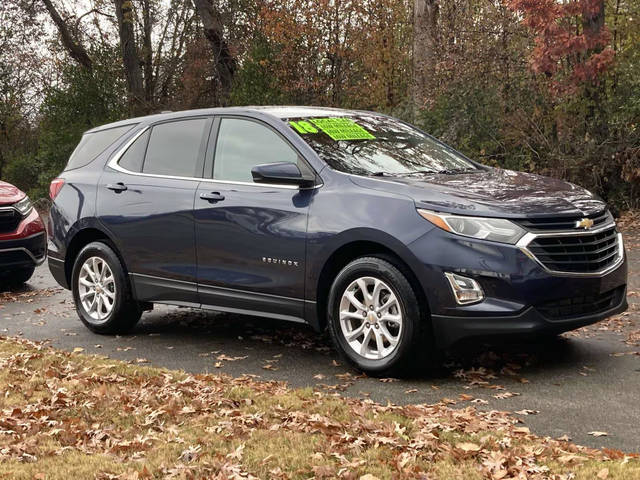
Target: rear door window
x,y
93,144
176,148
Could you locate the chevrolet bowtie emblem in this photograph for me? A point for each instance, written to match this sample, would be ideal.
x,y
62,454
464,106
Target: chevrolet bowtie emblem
x,y
585,223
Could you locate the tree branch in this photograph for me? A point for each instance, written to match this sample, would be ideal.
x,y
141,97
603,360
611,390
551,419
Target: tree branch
x,y
75,49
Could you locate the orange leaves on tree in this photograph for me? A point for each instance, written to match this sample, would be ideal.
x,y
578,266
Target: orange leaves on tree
x,y
571,40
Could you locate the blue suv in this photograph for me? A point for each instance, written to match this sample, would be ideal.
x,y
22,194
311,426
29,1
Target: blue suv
x,y
347,220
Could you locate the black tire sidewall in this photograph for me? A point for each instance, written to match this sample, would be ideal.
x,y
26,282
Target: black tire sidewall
x,y
119,319
385,271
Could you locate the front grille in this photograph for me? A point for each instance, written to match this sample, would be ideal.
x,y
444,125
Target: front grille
x,y
583,305
564,223
584,253
9,220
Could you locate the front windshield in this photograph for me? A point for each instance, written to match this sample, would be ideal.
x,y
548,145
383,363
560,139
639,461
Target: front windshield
x,y
368,144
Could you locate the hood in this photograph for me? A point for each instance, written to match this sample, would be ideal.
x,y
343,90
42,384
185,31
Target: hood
x,y
9,194
492,193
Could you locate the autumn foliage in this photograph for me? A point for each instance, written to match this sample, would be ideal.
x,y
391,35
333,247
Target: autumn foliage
x,y
571,40
545,86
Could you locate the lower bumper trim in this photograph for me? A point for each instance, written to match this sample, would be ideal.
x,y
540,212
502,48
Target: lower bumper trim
x,y
448,330
31,250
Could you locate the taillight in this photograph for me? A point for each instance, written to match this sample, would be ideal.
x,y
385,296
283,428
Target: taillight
x,y
55,187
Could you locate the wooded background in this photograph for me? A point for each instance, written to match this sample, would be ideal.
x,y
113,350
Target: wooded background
x,y
545,86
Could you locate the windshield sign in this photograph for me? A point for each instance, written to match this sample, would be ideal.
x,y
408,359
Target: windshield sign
x,y
368,144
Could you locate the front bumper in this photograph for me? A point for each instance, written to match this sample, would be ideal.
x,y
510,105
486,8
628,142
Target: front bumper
x,y
530,323
521,297
23,252
26,246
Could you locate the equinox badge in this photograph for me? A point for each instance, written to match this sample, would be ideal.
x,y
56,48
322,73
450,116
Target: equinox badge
x,y
280,261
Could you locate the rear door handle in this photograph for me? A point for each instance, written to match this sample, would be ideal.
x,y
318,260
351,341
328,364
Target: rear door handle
x,y
117,187
212,197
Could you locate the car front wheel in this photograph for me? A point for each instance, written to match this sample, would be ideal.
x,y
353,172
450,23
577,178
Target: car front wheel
x,y
375,320
101,291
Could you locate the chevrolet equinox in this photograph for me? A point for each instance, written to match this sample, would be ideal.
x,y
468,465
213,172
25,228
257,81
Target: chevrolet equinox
x,y
347,220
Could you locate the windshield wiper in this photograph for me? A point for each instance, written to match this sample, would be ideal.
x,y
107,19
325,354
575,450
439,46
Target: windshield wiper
x,y
452,171
455,171
385,174
444,171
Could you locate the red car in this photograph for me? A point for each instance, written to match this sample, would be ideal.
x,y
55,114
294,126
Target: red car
x,y
23,239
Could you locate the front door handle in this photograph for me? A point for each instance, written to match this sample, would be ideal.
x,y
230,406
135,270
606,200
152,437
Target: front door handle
x,y
117,187
212,197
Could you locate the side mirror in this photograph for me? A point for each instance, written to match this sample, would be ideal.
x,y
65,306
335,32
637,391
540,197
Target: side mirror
x,y
286,173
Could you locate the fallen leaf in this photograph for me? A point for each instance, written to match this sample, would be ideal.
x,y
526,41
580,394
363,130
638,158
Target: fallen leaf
x,y
504,395
468,447
527,412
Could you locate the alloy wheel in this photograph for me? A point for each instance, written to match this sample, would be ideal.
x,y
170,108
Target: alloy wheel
x,y
97,289
371,318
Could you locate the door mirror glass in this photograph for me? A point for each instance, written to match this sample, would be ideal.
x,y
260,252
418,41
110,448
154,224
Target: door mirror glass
x,y
286,173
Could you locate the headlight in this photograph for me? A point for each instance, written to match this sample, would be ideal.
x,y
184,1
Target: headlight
x,y
23,206
494,229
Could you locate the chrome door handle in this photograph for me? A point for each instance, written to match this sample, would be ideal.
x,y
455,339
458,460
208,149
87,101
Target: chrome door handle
x,y
118,187
212,197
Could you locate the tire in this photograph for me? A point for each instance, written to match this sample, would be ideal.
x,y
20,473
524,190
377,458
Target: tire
x,y
400,342
15,278
112,290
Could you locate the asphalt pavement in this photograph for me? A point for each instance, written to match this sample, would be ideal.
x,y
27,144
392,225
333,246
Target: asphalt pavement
x,y
580,382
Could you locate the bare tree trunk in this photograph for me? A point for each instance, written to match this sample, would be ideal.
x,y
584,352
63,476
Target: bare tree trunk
x,y
425,43
213,31
130,59
592,24
75,49
147,49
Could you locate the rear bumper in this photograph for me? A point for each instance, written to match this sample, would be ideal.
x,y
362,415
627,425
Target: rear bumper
x,y
529,323
57,269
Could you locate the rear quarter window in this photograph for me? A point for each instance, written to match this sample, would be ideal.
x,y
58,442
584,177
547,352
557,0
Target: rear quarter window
x,y
93,144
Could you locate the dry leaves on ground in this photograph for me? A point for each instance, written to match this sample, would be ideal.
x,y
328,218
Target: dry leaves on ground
x,y
90,417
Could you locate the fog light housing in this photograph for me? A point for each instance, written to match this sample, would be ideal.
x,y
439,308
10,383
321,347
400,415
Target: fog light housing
x,y
465,290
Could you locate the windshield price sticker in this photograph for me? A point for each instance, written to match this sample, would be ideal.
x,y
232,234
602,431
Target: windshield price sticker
x,y
335,128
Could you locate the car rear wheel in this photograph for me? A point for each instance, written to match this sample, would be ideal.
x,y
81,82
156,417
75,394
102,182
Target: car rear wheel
x,y
375,320
101,291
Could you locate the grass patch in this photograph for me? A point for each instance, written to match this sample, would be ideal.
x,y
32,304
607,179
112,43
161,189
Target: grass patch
x,y
68,415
